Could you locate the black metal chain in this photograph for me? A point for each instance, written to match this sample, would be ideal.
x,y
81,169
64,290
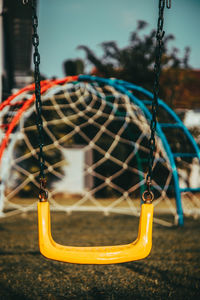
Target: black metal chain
x,y
148,195
36,60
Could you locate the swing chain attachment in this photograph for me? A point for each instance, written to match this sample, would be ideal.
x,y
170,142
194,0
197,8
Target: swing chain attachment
x,y
148,195
43,193
25,2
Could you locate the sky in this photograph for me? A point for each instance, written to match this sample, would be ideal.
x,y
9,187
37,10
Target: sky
x,y
66,24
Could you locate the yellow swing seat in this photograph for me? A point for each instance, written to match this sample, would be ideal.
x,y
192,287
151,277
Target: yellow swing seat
x,y
138,249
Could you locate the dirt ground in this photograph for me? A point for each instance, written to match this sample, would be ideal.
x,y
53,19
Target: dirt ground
x,y
172,271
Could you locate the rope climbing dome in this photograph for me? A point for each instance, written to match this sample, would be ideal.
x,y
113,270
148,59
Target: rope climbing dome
x,y
111,112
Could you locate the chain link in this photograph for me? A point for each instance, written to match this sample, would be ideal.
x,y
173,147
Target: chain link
x,y
148,195
36,60
168,4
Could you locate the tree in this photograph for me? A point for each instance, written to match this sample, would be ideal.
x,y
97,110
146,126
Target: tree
x,y
135,62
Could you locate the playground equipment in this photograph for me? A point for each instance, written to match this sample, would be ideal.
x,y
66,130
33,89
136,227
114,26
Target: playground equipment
x,y
19,156
112,107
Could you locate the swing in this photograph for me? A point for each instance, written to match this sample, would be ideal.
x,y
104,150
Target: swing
x,y
141,247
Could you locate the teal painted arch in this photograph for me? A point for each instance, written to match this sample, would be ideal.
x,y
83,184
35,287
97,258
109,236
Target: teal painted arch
x,y
128,89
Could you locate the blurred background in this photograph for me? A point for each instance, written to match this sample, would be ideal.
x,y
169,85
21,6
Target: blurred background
x,y
108,38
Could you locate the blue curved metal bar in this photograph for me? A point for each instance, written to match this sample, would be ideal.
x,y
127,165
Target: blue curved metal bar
x,y
190,189
125,88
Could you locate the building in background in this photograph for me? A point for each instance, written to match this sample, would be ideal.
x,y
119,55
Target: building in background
x,y
16,46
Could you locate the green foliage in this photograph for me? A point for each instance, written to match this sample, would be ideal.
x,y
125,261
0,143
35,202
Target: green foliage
x,y
135,62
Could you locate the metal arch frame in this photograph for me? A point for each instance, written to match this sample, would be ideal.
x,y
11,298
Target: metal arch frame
x,y
125,87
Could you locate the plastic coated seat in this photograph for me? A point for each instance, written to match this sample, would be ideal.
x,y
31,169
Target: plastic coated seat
x,y
136,250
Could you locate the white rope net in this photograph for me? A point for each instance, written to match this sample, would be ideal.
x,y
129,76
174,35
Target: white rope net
x,y
96,150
